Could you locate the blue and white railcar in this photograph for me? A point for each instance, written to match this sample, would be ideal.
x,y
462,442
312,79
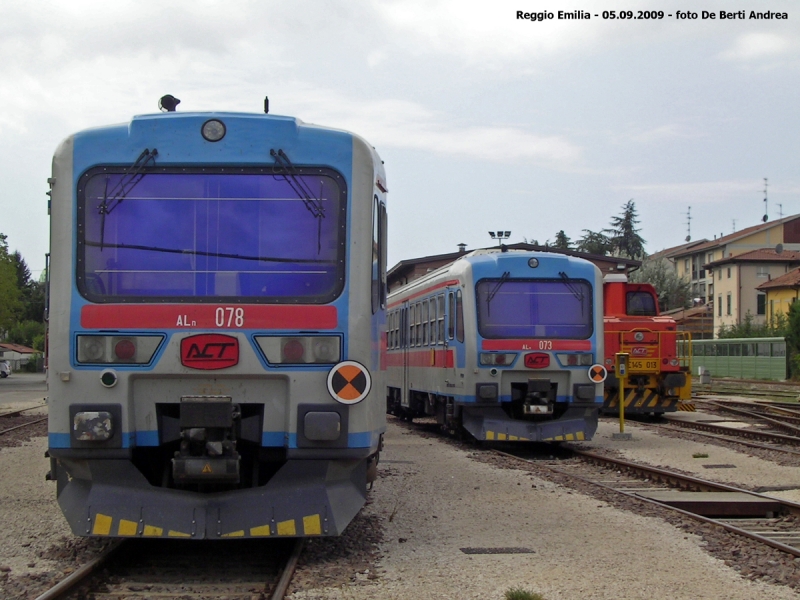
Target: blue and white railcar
x,y
217,302
502,344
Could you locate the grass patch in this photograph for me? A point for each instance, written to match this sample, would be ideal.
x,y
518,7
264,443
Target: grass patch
x,y
699,455
520,594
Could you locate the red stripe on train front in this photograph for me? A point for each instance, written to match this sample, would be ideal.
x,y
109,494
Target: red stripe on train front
x,y
207,316
536,345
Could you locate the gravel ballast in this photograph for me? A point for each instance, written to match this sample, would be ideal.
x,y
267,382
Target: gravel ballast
x,y
434,498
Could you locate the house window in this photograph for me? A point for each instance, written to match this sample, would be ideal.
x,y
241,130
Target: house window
x,y
728,303
719,306
762,271
729,272
761,304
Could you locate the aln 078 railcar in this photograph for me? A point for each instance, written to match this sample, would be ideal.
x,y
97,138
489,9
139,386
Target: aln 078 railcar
x,y
502,344
217,301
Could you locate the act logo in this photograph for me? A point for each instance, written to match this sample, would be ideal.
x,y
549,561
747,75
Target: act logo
x,y
639,351
537,360
209,351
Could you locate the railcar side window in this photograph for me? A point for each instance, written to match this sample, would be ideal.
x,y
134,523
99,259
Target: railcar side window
x,y
451,312
459,317
440,317
205,234
378,255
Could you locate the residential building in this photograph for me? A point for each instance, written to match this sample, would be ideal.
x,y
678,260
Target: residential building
x,y
780,294
736,279
692,262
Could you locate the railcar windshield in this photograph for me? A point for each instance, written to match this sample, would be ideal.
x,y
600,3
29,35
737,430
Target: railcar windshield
x,y
525,308
203,234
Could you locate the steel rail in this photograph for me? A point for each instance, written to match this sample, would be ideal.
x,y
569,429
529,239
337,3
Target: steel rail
x,y
744,433
677,479
21,410
23,425
730,438
67,584
288,571
754,415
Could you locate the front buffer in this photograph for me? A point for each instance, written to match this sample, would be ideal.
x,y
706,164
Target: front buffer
x,y
304,498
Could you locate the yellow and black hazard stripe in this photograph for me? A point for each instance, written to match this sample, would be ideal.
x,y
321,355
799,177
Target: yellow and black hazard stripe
x,y
647,400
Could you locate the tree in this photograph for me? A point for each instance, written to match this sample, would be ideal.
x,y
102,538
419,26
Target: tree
x,y
594,242
562,241
623,234
673,292
10,303
31,292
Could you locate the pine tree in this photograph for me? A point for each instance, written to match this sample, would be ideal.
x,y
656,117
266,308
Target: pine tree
x,y
594,242
562,241
623,234
10,303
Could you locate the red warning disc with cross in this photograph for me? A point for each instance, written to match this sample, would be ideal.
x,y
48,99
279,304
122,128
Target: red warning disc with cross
x,y
349,382
598,373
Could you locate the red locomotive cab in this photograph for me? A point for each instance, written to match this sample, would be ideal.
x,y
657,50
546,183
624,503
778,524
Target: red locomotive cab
x,y
634,325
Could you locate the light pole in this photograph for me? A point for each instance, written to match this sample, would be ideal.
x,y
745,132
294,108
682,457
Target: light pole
x,y
500,236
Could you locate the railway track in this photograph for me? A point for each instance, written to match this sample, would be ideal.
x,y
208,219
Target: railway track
x,y
767,520
14,420
131,569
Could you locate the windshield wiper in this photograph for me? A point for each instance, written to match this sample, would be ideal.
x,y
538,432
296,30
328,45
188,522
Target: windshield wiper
x,y
313,204
130,177
503,278
571,287
206,253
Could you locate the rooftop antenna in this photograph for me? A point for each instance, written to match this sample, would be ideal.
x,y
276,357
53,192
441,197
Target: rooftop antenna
x,y
766,211
689,224
734,225
780,211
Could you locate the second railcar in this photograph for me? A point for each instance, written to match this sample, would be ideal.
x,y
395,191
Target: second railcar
x,y
503,344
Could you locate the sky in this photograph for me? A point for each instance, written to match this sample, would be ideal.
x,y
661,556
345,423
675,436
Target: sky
x,y
485,121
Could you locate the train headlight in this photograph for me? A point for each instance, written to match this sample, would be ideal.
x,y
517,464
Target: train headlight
x,y
577,359
499,359
300,350
213,130
638,336
115,349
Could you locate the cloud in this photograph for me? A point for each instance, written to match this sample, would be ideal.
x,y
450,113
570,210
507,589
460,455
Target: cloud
x,y
409,125
757,46
699,192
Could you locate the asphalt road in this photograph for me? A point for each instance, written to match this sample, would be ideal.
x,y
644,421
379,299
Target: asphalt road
x,y
22,387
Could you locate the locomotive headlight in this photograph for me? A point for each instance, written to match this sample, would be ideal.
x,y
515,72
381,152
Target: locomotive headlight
x,y
213,130
497,358
576,360
638,336
91,349
300,349
326,349
106,349
533,263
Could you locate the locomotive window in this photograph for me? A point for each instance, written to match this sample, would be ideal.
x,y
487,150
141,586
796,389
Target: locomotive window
x,y
534,308
640,304
412,331
419,324
203,235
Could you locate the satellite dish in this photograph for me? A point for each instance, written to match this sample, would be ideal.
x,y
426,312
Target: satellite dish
x,y
764,218
688,238
778,248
